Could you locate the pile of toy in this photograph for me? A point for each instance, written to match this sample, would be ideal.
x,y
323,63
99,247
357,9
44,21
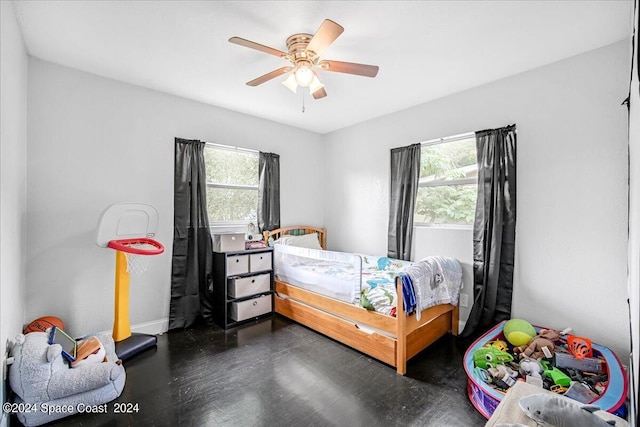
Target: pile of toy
x,y
554,360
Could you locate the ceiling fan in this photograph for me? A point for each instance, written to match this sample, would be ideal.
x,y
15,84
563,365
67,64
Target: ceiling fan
x,y
304,52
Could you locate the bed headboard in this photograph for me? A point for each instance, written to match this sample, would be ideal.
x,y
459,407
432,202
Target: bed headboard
x,y
297,230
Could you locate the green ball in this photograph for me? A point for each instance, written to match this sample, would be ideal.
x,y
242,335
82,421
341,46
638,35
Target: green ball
x,y
518,332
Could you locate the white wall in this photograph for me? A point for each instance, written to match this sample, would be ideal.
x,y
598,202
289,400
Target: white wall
x,y
449,242
13,161
572,186
93,142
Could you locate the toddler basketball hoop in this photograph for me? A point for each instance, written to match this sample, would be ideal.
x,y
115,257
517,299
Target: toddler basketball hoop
x,y
128,228
137,252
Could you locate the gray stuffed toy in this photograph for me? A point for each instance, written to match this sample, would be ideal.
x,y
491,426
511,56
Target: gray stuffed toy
x,y
41,377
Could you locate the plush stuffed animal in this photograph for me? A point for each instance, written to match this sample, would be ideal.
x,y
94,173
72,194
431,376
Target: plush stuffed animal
x,y
41,375
530,367
535,348
504,374
547,408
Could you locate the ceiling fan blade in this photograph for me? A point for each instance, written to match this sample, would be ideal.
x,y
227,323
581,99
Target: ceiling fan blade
x,y
257,46
269,76
326,34
349,68
320,93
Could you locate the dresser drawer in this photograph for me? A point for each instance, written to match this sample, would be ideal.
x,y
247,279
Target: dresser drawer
x,y
239,287
228,242
260,261
250,308
237,264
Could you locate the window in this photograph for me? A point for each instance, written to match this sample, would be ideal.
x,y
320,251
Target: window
x,y
232,184
448,182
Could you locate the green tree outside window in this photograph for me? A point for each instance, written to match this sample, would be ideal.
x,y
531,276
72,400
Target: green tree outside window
x,y
448,183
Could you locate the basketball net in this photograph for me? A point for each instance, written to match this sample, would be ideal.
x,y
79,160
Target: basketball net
x,y
137,264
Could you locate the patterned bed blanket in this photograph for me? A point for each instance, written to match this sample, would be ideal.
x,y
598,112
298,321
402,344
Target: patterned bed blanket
x,y
431,281
435,280
378,287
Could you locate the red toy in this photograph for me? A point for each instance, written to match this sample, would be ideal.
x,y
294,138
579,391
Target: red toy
x,y
580,347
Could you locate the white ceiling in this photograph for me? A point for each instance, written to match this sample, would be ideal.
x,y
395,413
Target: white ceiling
x,y
425,50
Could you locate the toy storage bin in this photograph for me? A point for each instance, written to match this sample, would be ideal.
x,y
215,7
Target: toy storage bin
x,y
247,309
237,264
239,287
485,398
228,242
260,262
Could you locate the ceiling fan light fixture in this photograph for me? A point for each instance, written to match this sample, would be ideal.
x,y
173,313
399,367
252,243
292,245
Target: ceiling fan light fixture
x,y
291,84
315,85
303,75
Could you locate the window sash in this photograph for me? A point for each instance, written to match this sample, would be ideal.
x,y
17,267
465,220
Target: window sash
x,y
442,182
232,186
448,182
212,148
212,185
252,211
440,220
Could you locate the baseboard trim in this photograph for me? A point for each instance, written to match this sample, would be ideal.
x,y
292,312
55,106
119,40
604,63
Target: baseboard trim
x,y
155,327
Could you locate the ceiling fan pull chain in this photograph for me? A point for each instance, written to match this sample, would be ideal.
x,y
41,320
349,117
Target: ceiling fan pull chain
x,y
302,101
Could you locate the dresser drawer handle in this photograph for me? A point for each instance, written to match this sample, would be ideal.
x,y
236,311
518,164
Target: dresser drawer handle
x,y
237,260
253,281
255,303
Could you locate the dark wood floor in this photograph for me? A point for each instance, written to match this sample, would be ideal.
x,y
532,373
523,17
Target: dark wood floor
x,y
278,373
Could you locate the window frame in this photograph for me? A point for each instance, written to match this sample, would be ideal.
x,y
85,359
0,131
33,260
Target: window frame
x,y
445,182
235,225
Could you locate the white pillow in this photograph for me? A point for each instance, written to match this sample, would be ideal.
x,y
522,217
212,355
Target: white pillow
x,y
309,241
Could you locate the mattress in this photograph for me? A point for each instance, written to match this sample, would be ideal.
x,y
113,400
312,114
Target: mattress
x,y
364,280
333,274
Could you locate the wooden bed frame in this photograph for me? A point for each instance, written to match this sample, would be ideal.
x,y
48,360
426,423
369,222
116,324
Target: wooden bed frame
x,y
339,320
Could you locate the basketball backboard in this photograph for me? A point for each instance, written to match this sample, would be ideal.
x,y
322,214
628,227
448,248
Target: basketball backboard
x,y
127,221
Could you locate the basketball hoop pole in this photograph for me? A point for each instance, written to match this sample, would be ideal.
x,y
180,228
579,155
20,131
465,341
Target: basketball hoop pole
x,y
127,251
121,323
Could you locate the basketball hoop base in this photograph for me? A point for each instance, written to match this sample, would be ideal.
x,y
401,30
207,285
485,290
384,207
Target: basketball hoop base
x,y
134,345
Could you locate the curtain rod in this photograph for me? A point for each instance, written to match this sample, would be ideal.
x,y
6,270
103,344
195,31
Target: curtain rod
x,y
448,138
229,147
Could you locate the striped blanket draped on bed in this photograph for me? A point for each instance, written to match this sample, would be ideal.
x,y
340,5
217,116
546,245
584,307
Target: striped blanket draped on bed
x,y
431,281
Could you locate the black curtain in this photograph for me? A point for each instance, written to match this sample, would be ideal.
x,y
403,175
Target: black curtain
x,y
494,228
192,262
405,173
269,191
